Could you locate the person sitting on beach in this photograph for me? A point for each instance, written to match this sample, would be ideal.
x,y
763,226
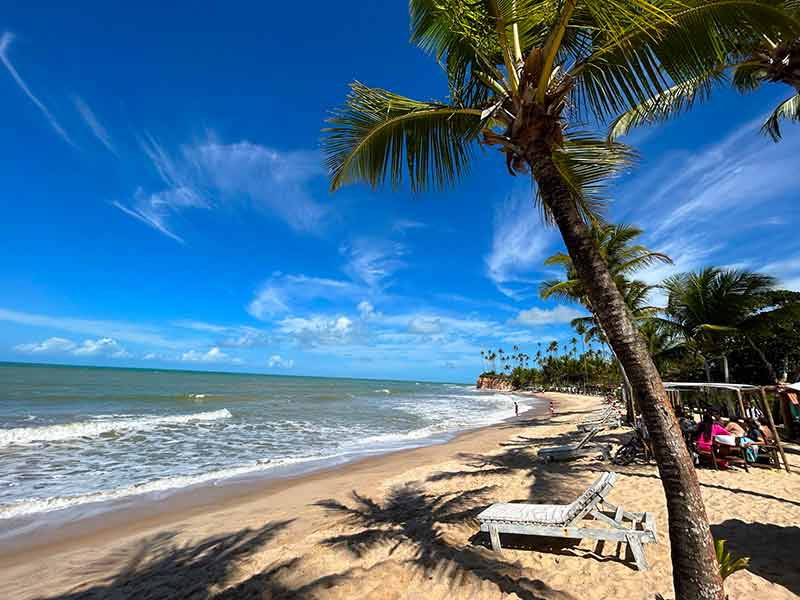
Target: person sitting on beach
x,y
707,432
766,432
686,422
757,432
735,428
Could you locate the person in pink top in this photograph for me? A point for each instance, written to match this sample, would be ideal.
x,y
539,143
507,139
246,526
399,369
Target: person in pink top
x,y
707,431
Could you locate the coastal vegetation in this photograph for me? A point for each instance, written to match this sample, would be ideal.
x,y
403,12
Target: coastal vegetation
x,y
525,77
716,325
556,367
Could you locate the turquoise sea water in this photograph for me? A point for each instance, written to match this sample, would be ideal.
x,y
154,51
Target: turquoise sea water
x,y
75,435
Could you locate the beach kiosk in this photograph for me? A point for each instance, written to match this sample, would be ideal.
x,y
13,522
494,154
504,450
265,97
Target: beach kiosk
x,y
744,400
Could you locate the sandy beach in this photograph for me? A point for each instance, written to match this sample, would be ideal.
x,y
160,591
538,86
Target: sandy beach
x,y
402,526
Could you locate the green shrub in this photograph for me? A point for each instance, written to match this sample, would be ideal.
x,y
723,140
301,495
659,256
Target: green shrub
x,y
727,564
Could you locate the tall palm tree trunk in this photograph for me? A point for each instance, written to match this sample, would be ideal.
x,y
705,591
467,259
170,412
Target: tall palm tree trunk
x,y
695,571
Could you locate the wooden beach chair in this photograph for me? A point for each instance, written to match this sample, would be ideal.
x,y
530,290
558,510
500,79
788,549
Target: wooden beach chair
x,y
572,451
608,522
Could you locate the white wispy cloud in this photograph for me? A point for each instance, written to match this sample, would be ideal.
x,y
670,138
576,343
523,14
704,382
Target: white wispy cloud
x,y
107,347
282,292
276,360
689,191
373,261
786,271
155,210
404,225
548,316
243,174
5,44
91,120
520,243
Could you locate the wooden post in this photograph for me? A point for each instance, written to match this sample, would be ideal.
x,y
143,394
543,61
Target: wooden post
x,y
741,404
768,412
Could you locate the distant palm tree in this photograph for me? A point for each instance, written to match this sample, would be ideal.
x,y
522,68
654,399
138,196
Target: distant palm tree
x,y
524,75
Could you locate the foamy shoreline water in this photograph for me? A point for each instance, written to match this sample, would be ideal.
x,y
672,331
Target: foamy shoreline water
x,y
253,428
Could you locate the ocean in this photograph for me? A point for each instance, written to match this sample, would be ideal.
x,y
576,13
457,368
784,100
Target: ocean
x,y
71,436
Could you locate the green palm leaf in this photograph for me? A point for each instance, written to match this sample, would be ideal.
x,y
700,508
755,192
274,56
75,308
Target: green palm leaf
x,y
655,58
587,165
788,109
378,134
671,102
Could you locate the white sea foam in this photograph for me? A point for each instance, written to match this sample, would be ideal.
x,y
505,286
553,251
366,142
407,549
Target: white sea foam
x,y
29,507
383,391
99,426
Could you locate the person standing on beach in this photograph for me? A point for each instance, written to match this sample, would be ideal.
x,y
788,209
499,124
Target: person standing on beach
x,y
516,409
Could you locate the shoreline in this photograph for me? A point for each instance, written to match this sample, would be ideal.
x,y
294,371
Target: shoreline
x,y
401,526
59,528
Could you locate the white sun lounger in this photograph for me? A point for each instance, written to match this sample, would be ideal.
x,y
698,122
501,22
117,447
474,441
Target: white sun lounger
x,y
609,417
571,451
563,521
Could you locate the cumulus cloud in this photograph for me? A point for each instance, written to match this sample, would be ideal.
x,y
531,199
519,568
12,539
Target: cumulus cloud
x,y
547,316
425,325
101,347
214,355
277,361
366,310
318,330
53,344
244,174
107,347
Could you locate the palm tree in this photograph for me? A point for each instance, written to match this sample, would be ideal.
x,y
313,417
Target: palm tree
x,y
523,75
662,343
714,305
758,59
622,257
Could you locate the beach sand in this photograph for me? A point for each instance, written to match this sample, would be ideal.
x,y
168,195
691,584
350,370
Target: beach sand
x,y
401,526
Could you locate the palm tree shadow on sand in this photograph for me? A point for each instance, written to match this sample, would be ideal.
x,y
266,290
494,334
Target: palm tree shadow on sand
x,y
413,519
759,541
158,567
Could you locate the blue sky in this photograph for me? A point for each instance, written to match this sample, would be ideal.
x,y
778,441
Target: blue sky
x,y
165,206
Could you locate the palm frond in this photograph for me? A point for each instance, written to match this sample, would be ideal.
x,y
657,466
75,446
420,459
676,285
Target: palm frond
x,y
571,290
464,38
378,134
559,259
643,259
748,75
650,56
671,102
788,109
587,165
